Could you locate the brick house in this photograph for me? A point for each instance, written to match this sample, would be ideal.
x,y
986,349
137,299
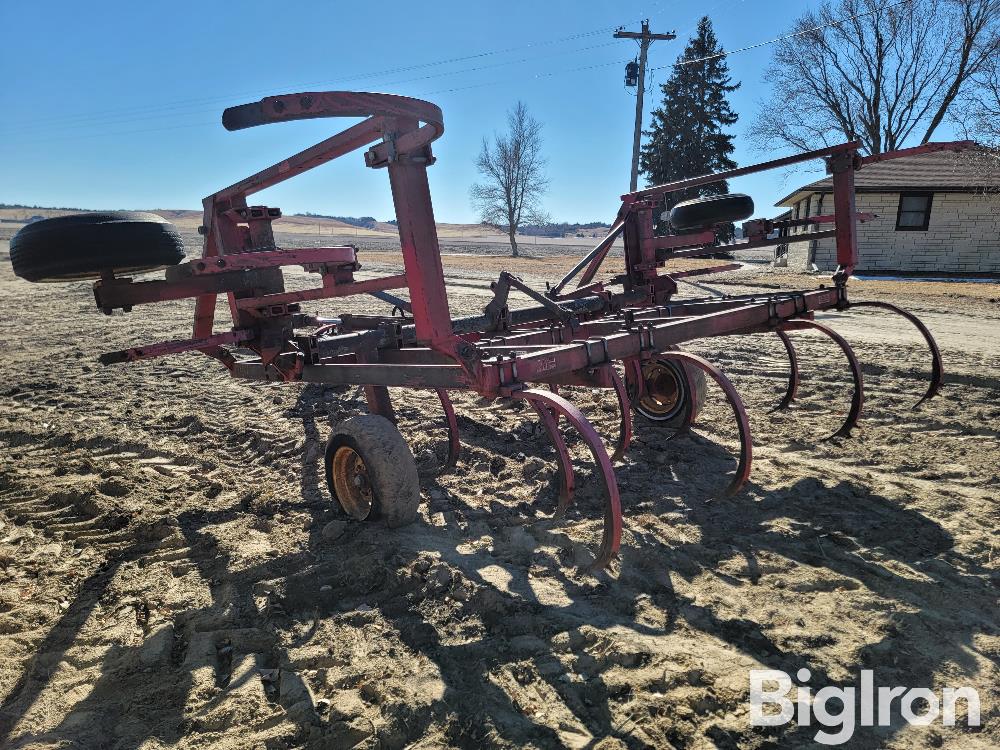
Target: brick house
x,y
937,213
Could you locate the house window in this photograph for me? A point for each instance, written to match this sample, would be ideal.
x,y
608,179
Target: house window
x,y
914,213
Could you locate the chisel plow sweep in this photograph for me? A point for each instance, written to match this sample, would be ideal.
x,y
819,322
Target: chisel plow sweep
x,y
575,334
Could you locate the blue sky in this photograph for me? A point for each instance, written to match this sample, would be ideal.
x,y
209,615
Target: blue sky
x,y
118,104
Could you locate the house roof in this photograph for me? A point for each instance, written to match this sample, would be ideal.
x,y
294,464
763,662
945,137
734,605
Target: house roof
x,y
940,171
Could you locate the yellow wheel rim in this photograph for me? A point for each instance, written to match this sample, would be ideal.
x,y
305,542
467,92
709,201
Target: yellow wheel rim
x,y
664,390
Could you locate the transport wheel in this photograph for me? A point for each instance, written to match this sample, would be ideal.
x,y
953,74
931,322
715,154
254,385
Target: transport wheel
x,y
699,213
667,398
371,471
81,246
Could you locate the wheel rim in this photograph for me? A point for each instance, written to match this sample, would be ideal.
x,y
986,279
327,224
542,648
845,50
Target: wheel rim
x,y
664,391
351,483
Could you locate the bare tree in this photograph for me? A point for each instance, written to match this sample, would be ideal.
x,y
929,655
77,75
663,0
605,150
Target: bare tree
x,y
978,115
514,175
884,74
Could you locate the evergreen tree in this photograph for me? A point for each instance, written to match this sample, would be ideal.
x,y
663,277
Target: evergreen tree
x,y
687,137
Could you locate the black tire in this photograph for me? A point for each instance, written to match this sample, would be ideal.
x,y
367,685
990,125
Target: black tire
x,y
390,486
700,213
81,246
669,379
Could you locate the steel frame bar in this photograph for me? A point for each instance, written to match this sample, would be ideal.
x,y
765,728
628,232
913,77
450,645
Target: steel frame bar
x,y
327,291
449,377
421,256
592,261
670,187
926,148
122,293
263,259
700,250
176,347
536,366
333,147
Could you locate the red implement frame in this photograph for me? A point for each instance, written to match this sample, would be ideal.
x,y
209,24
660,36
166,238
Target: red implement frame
x,y
569,338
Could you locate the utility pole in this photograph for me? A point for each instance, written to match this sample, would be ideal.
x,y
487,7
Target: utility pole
x,y
645,39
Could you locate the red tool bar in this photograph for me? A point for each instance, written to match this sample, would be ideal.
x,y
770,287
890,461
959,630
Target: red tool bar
x,y
262,259
592,261
418,240
330,104
124,293
315,104
695,252
658,338
705,271
846,231
177,346
548,337
413,356
343,143
324,292
670,187
861,217
927,148
451,377
602,252
671,241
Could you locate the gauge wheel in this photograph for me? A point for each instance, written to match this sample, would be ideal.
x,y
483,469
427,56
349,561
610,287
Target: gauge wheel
x,y
371,471
667,397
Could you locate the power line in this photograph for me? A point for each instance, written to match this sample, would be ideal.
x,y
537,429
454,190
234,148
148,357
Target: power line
x,y
680,62
183,107
103,134
549,74
535,76
726,53
105,120
120,114
214,122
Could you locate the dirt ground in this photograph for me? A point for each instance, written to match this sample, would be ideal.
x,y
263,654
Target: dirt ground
x,y
174,574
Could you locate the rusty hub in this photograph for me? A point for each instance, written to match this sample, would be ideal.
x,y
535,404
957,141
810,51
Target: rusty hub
x,y
351,483
664,390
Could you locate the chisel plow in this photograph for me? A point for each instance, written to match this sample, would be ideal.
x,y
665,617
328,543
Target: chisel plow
x,y
622,334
